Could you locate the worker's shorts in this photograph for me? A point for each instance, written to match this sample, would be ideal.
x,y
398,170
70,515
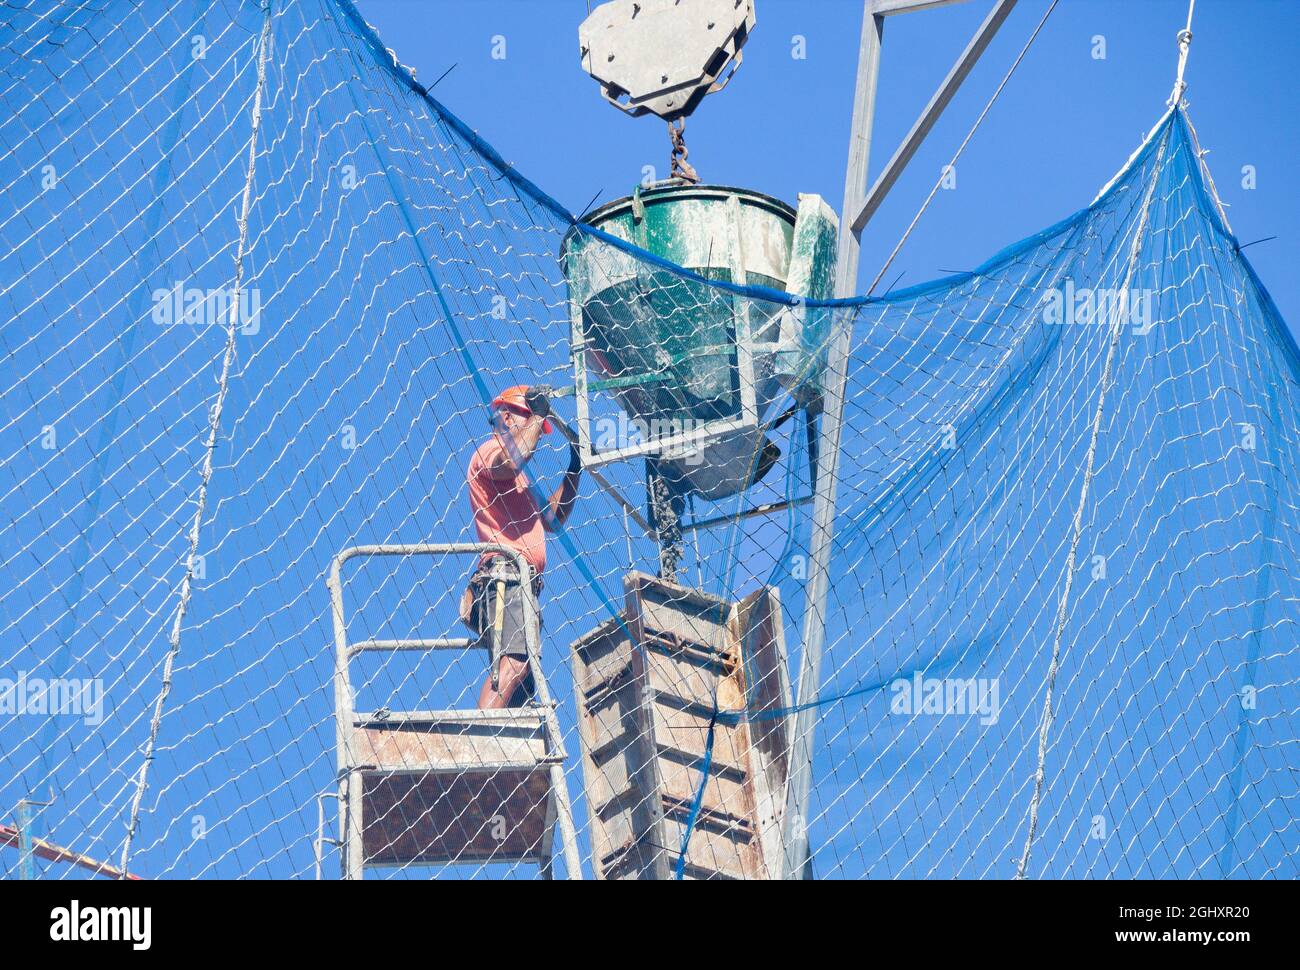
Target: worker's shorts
x,y
499,609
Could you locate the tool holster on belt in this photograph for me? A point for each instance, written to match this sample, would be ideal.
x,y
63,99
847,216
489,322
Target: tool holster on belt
x,y
484,615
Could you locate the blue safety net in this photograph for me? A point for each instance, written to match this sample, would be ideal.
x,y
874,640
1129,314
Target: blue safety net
x,y
258,290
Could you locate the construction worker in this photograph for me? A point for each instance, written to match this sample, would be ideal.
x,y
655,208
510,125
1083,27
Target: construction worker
x,y
506,512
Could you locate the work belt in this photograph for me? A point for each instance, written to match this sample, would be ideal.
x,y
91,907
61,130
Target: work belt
x,y
503,573
501,569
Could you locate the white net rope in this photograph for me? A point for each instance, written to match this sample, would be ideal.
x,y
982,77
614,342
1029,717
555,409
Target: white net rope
x,y
251,278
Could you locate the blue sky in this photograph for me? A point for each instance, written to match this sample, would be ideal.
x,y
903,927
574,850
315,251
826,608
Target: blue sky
x,y
1061,128
248,739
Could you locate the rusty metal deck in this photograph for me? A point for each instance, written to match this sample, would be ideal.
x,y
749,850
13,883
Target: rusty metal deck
x,y
447,787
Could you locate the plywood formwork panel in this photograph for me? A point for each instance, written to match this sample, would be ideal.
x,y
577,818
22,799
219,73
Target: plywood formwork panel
x,y
769,697
685,731
647,684
614,747
721,844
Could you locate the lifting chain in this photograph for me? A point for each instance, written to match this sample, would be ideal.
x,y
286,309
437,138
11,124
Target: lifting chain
x,y
665,516
680,168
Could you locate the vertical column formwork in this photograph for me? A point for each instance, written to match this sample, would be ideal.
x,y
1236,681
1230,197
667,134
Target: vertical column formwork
x,y
647,685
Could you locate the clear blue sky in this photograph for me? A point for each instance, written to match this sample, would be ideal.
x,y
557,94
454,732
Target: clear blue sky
x,y
248,738
1065,124
1061,128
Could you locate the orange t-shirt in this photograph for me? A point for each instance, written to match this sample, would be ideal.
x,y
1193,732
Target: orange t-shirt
x,y
505,511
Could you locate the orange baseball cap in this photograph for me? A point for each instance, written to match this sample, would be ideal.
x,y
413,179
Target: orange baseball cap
x,y
513,398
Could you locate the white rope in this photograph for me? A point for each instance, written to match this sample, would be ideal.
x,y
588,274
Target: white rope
x,y
1184,46
1205,171
214,424
962,147
1119,313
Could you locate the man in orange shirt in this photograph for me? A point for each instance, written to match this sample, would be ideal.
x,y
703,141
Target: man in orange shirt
x,y
506,512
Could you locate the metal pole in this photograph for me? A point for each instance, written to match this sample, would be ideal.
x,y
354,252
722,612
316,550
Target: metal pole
x,y
318,847
351,857
564,808
26,860
795,822
28,843
942,97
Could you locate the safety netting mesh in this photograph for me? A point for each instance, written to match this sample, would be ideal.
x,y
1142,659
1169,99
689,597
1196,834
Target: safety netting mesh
x,y
258,290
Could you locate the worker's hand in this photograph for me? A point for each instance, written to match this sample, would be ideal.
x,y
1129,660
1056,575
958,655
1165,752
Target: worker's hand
x,y
575,459
538,400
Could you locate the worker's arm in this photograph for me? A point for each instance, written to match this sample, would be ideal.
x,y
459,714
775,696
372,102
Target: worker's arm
x,y
562,500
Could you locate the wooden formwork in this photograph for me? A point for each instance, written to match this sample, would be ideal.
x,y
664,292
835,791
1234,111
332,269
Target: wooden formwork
x,y
647,685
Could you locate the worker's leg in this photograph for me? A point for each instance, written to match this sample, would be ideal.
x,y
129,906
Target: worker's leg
x,y
512,673
505,610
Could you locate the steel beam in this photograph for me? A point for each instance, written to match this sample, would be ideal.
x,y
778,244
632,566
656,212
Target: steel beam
x,y
749,513
13,837
857,209
795,821
887,8
962,67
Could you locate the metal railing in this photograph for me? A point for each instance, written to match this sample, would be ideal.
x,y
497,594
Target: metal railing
x,y
351,850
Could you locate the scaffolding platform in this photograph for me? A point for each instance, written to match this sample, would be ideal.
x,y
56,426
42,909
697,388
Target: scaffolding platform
x,y
454,787
418,788
646,684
